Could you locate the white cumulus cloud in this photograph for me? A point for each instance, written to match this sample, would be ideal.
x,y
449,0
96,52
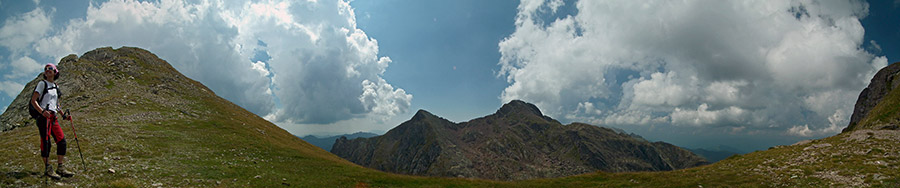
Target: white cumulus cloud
x,y
23,67
383,100
327,68
321,68
11,89
664,89
752,65
798,130
193,37
20,31
703,116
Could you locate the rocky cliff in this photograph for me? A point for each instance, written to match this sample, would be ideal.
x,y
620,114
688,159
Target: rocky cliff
x,y
880,87
517,142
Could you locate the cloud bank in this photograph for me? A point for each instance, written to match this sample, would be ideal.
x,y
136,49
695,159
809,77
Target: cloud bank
x,y
319,67
787,67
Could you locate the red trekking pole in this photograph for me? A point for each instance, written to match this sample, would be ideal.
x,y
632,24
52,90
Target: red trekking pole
x,y
67,115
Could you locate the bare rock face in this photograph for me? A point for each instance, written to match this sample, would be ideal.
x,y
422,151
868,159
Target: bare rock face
x,y
515,143
882,84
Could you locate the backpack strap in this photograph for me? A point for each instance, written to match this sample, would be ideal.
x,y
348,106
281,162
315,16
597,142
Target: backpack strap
x,y
58,95
47,89
44,92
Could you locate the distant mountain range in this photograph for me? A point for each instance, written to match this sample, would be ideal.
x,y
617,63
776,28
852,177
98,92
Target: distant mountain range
x,y
710,154
327,142
713,155
517,142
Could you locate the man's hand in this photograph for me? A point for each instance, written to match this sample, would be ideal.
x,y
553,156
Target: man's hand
x,y
66,115
46,114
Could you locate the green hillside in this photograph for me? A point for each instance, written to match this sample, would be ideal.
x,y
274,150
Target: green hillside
x,y
155,127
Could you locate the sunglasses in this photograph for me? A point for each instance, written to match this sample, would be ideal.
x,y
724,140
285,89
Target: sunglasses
x,y
48,68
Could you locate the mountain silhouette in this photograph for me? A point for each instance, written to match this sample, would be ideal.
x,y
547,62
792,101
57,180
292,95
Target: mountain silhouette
x,y
515,143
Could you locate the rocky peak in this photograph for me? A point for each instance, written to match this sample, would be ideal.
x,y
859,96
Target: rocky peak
x,y
519,107
422,115
422,122
882,83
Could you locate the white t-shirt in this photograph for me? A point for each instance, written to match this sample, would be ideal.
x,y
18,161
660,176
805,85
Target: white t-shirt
x,y
51,100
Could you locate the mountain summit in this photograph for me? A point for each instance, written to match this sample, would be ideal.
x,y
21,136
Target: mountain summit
x,y
516,143
423,115
519,107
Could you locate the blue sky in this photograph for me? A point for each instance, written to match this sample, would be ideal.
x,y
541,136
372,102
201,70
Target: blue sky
x,y
444,51
694,73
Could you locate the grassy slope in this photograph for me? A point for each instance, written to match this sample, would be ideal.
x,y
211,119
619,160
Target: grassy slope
x,y
212,142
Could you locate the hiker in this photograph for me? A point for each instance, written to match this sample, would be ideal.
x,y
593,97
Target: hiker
x,y
45,101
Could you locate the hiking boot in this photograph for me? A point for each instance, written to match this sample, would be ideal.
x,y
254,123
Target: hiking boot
x,y
48,171
61,170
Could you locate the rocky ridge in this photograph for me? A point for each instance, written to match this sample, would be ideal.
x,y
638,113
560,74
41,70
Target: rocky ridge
x,y
882,84
515,143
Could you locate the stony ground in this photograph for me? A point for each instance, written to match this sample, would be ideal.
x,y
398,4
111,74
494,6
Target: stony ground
x,y
859,159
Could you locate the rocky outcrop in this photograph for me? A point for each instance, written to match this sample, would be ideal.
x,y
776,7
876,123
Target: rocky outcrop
x,y
517,142
883,83
327,142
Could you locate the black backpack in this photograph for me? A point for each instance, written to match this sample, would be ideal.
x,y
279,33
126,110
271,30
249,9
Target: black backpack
x,y
34,113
